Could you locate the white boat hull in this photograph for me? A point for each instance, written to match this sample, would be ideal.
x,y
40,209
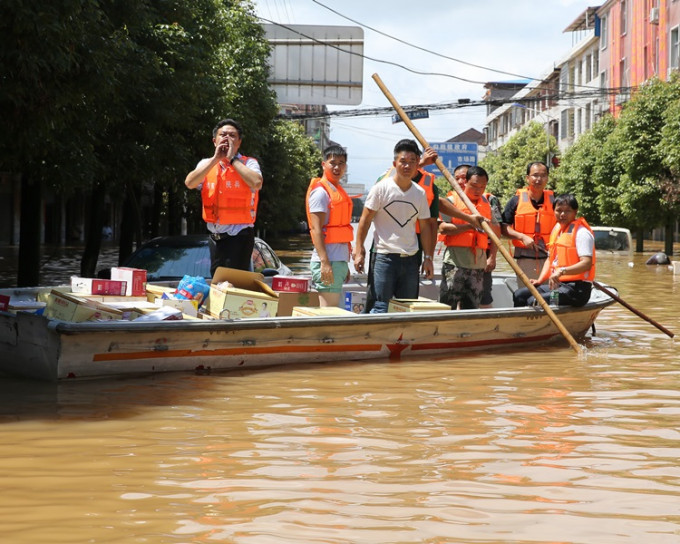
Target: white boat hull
x,y
33,346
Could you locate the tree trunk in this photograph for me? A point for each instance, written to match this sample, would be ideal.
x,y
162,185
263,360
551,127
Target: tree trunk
x,y
130,229
28,270
175,211
93,232
639,240
668,236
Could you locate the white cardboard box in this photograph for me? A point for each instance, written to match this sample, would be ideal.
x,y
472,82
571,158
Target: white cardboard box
x,y
135,278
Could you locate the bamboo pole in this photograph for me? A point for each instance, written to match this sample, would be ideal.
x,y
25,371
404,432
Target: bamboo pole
x,y
487,228
634,310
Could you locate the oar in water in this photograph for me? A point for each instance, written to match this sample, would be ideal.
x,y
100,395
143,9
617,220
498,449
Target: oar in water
x,y
487,228
634,310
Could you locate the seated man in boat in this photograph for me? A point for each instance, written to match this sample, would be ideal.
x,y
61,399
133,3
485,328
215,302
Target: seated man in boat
x,y
395,205
465,257
570,267
329,215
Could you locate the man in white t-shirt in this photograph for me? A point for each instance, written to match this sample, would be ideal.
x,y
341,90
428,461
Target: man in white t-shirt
x,y
394,206
570,267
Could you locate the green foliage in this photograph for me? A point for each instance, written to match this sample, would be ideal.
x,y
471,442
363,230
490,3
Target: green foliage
x,y
290,161
508,165
576,173
647,190
443,184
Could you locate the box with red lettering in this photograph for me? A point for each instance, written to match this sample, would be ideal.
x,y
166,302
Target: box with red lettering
x,y
291,284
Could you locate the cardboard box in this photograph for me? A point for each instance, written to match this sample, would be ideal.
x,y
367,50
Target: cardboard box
x,y
155,291
287,301
4,303
188,307
71,308
95,286
250,296
135,278
291,284
415,305
355,301
327,311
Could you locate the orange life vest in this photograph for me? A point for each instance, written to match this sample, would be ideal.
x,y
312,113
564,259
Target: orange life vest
x,y
471,238
426,182
227,199
338,230
535,223
563,248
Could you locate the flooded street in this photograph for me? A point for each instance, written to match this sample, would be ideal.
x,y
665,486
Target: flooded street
x,y
499,447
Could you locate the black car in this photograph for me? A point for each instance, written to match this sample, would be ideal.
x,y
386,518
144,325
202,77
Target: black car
x,y
169,258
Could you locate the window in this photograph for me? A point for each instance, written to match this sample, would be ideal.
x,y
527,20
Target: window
x,y
588,117
675,49
588,68
596,64
604,34
624,17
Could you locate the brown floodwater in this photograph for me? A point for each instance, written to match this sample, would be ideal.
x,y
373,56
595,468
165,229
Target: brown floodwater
x,y
537,446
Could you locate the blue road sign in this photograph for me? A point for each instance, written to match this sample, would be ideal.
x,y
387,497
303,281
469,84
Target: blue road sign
x,y
453,154
412,114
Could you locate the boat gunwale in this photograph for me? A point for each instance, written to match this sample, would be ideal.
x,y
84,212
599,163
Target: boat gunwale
x,y
290,322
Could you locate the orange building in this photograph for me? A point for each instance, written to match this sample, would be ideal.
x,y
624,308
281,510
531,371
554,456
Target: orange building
x,y
639,40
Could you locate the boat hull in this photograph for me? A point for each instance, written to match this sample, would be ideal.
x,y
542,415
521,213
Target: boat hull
x,y
33,346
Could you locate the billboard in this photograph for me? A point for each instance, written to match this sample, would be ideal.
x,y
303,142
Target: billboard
x,y
453,154
315,64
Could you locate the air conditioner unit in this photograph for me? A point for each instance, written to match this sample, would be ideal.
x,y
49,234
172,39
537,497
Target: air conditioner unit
x,y
654,16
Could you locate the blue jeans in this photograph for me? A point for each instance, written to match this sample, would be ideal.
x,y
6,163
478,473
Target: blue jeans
x,y
394,277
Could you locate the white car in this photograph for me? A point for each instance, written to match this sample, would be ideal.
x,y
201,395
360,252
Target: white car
x,y
614,240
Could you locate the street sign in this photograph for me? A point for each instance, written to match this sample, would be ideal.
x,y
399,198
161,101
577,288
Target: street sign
x,y
453,154
411,114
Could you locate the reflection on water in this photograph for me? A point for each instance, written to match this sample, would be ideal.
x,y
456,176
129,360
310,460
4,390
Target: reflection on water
x,y
511,446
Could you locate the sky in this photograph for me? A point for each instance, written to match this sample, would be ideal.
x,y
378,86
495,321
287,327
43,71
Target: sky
x,y
519,37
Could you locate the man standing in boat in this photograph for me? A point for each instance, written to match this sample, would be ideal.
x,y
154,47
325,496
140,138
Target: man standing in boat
x,y
230,183
528,219
465,258
329,215
570,268
395,205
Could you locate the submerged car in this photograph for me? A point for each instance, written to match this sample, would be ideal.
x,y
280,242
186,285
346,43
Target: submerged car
x,y
170,258
613,240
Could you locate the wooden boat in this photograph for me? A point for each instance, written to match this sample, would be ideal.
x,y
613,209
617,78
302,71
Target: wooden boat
x,y
34,346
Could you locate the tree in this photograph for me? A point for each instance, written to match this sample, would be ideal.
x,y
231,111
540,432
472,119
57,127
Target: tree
x,y
646,188
576,173
290,161
508,165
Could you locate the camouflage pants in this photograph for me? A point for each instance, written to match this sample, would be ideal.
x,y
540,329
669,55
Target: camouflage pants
x,y
462,285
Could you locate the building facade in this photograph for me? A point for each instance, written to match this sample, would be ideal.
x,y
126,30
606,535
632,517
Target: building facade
x,y
617,47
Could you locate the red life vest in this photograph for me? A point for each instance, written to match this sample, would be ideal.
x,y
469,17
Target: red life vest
x,y
338,230
227,199
563,247
535,223
471,238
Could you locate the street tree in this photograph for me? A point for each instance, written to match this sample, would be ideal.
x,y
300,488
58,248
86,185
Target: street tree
x,y
507,166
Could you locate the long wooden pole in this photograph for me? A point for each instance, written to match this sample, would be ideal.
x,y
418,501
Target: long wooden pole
x,y
634,310
487,228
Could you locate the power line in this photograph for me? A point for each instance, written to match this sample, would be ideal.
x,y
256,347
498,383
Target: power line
x,y
389,111
413,71
421,48
473,65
